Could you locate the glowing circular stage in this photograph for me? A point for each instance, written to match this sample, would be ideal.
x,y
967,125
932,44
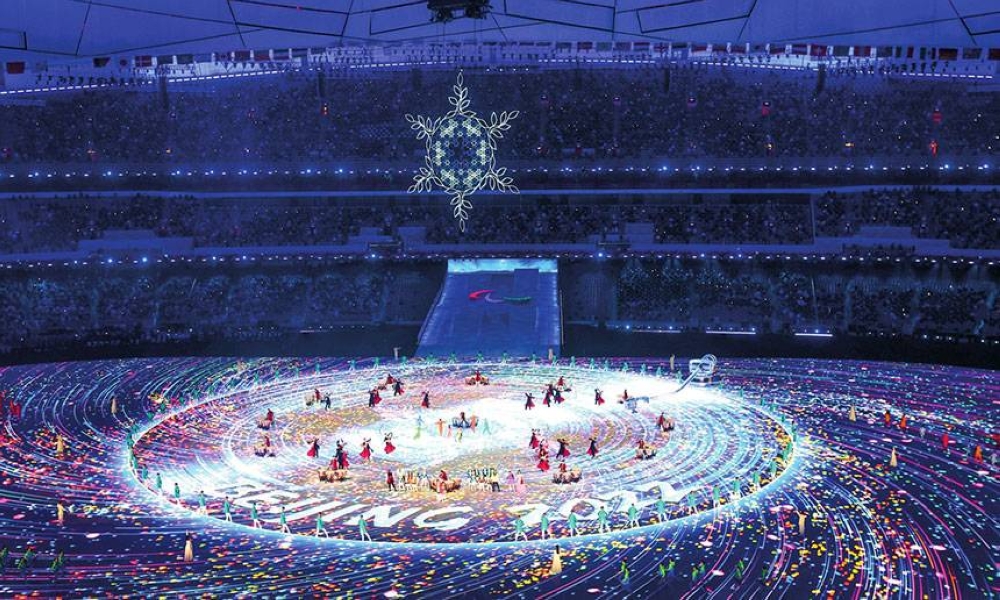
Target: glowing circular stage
x,y
472,462
783,478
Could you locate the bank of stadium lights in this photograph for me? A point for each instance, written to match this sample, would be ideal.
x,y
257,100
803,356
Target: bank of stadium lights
x,y
444,11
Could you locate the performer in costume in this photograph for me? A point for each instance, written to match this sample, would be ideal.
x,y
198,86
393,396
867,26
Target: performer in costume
x,y
563,448
426,402
313,449
519,529
533,444
389,448
598,398
366,450
341,456
363,529
529,402
519,487
543,459
592,451
254,515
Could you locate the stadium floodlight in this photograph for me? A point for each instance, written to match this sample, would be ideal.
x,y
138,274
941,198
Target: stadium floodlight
x,y
443,11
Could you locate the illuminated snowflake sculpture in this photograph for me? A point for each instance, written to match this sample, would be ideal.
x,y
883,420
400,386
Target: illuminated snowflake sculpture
x,y
460,153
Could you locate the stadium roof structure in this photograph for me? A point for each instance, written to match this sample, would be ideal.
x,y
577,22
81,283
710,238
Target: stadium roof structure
x,y
34,29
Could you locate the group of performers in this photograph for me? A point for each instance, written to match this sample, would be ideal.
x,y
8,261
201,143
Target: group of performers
x,y
264,448
566,475
337,469
541,447
553,394
340,463
665,423
463,422
477,378
374,397
317,397
267,421
644,450
442,484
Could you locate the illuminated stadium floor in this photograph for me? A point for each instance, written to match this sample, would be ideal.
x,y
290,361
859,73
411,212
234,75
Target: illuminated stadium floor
x,y
926,528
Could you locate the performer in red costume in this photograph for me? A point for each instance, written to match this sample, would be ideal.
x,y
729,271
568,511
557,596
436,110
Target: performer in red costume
x,y
563,452
389,448
341,456
543,459
366,450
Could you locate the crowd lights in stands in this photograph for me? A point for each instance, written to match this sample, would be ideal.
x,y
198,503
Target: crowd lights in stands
x,y
448,62
732,331
815,333
342,171
645,328
473,251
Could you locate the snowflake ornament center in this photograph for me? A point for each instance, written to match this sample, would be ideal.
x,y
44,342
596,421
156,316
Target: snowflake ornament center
x,y
461,150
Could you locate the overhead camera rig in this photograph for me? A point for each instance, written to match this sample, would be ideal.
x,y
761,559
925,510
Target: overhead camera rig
x,y
443,11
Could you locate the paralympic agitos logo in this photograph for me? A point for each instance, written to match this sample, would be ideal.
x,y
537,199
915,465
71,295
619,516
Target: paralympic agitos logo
x,y
488,296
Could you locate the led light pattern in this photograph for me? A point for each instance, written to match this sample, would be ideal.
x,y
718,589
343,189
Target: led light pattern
x,y
460,152
918,522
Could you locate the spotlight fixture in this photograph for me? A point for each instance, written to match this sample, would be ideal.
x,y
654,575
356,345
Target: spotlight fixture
x,y
444,11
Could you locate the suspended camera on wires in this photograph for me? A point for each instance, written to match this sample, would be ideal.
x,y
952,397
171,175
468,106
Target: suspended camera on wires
x,y
443,11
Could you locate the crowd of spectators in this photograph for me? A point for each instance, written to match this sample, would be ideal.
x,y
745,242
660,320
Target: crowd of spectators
x,y
748,296
312,119
968,219
158,303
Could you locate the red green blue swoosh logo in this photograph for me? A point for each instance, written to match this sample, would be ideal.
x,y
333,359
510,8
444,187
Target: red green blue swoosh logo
x,y
487,296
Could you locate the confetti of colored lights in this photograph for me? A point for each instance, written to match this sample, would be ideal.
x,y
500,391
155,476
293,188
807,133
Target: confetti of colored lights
x,y
781,478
